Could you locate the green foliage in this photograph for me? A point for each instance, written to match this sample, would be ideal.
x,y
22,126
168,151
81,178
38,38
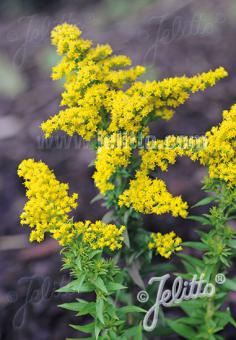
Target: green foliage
x,y
93,273
113,312
205,318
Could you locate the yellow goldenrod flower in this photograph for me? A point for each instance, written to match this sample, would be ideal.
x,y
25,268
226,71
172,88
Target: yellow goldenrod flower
x,y
97,105
99,235
166,244
110,157
94,95
91,77
220,153
82,119
48,205
150,196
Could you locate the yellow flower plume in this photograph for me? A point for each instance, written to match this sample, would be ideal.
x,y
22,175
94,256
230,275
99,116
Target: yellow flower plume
x,y
48,207
166,244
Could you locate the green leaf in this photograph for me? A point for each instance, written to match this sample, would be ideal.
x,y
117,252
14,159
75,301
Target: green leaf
x,y
96,198
99,283
126,238
77,286
186,331
108,217
89,328
190,307
204,201
100,310
224,318
131,309
201,219
82,307
113,286
232,244
80,284
195,245
97,331
74,306
231,319
94,253
193,261
78,263
112,335
133,332
135,274
230,284
185,276
191,321
126,217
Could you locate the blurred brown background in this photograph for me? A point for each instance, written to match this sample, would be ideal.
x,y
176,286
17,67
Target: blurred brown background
x,y
168,37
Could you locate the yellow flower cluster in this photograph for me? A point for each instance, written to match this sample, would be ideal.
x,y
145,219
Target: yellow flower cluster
x,y
110,157
142,102
216,150
48,205
82,119
92,75
146,195
161,153
220,153
94,94
150,196
99,235
98,105
166,244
